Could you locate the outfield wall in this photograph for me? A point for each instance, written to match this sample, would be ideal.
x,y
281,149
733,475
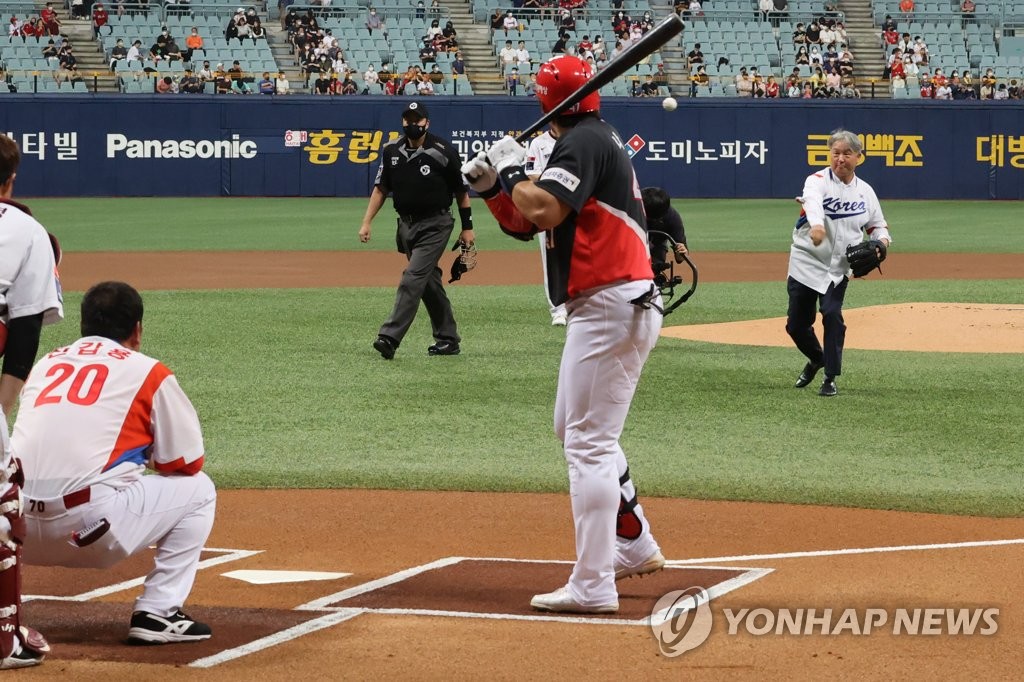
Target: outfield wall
x,y
318,146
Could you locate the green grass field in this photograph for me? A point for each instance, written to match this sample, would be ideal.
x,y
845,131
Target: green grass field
x,y
292,395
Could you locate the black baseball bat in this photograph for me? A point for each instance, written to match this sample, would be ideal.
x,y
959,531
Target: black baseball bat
x,y
667,28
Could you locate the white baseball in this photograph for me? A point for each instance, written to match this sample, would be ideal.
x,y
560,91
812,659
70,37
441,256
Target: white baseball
x,y
669,104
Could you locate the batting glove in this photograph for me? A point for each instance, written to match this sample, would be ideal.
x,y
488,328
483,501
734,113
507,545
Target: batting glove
x,y
481,176
508,157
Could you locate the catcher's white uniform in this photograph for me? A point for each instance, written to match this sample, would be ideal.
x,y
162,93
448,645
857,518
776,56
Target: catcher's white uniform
x,y
537,155
93,415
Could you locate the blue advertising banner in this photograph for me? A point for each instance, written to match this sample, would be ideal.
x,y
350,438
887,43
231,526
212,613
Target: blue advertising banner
x,y
319,146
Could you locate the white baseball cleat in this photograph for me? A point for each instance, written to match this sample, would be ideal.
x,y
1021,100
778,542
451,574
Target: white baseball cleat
x,y
560,601
653,564
558,320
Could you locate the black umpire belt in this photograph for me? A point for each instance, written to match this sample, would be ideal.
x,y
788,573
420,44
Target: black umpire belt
x,y
416,217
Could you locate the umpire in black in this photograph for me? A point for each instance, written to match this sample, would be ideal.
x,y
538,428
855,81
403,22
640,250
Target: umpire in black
x,y
421,172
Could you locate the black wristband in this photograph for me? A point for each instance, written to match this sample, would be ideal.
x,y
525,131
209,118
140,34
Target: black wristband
x,y
492,192
512,176
466,217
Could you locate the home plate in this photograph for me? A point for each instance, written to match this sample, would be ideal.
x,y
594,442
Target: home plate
x,y
271,577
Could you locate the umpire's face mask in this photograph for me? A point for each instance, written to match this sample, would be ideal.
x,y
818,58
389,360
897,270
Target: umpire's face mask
x,y
414,131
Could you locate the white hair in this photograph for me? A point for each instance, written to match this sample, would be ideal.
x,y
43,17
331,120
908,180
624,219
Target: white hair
x,y
840,135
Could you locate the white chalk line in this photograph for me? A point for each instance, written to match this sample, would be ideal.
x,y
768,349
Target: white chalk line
x,y
844,552
323,603
276,638
228,555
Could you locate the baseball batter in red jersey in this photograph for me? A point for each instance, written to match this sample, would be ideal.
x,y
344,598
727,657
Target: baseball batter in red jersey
x,y
587,202
94,415
29,298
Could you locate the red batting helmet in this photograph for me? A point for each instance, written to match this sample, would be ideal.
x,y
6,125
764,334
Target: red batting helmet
x,y
561,76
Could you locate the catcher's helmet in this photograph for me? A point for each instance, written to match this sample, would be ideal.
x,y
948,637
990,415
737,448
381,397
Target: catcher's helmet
x,y
558,78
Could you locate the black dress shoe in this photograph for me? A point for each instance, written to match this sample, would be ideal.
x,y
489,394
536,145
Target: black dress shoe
x,y
444,348
386,346
807,376
828,388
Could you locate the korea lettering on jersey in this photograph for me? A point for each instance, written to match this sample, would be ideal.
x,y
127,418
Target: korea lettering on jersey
x,y
134,410
847,213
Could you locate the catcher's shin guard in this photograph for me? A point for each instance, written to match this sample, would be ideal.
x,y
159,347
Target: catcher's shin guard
x,y
20,646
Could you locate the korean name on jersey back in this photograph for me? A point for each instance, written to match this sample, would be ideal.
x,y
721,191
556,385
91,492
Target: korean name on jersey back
x,y
235,148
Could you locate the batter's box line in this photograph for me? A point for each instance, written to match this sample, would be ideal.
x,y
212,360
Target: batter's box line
x,y
228,555
324,603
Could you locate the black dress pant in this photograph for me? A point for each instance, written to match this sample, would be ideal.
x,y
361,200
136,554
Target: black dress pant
x,y
800,323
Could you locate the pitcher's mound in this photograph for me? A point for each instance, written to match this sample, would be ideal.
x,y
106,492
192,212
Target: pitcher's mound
x,y
932,327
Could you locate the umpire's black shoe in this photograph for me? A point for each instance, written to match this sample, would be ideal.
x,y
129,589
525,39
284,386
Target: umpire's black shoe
x,y
386,346
828,387
807,376
444,348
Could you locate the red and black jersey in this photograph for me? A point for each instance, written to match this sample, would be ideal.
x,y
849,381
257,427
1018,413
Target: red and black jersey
x,y
604,239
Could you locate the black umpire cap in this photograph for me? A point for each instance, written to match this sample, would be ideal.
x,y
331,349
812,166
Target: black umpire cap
x,y
415,110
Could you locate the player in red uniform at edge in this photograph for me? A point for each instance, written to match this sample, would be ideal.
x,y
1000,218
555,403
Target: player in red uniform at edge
x,y
587,206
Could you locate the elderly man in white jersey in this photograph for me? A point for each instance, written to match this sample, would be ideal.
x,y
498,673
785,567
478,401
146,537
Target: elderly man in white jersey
x,y
30,297
94,415
537,155
839,209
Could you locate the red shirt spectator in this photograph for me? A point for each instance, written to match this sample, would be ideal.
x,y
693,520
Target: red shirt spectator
x,y
926,91
771,88
28,29
891,36
49,17
99,17
897,70
906,6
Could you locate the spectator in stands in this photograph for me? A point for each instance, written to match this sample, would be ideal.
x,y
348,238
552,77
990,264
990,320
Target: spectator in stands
x,y
512,82
927,89
905,44
497,19
435,29
813,34
236,74
523,55
50,19
1001,92
243,30
815,56
744,83
193,42
943,91
436,76
156,52
890,37
967,81
920,50
458,65
427,53
907,7
265,85
694,57
888,23
348,86
909,67
764,7
117,53
802,56
794,90
620,22
650,88
190,83
371,81
290,21
567,22
1014,91
799,34
699,79
661,78
256,30
135,52
599,50
375,23
560,45
939,79
840,31
833,81
451,37
967,8
989,78
221,81
510,23
172,52
164,86
424,86
421,11
817,78
771,88
51,53
507,55
100,18
78,9
827,36
164,37
849,89
322,84
781,9
696,9
281,84
68,66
